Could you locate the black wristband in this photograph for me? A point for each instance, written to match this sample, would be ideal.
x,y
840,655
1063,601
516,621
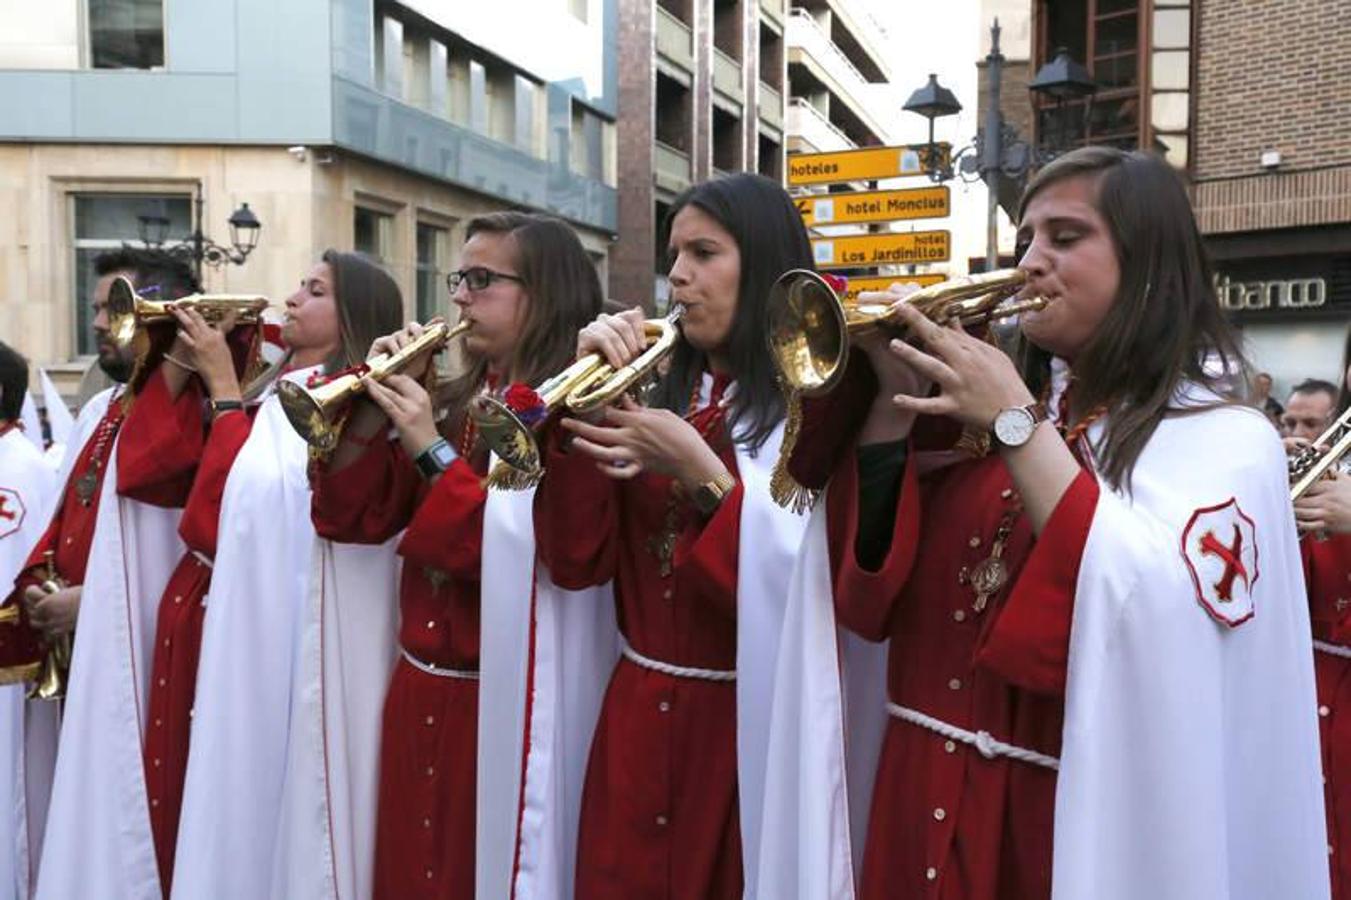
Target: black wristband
x,y
222,406
435,458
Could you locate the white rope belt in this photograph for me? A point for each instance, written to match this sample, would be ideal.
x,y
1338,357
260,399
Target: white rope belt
x,y
204,559
981,740
657,665
1333,649
438,671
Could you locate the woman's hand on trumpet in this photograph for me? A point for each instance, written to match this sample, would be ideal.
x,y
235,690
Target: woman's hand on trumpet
x,y
619,338
203,347
638,439
885,423
1326,506
975,379
392,343
409,408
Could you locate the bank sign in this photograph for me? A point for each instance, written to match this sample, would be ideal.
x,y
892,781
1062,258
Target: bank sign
x,y
1271,295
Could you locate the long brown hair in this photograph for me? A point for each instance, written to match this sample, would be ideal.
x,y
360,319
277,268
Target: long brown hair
x,y
565,295
1165,325
369,305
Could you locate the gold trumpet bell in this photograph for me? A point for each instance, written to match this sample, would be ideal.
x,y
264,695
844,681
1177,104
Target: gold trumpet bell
x,y
129,312
807,332
316,413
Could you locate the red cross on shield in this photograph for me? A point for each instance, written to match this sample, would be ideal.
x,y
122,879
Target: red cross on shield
x,y
1219,545
11,511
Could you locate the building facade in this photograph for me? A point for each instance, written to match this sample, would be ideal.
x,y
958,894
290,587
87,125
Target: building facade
x,y
356,124
1247,99
701,92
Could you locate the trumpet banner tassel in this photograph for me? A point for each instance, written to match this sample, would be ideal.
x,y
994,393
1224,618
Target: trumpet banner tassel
x,y
783,487
507,478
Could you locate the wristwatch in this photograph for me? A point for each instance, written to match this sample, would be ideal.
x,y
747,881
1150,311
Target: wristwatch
x,y
1013,426
220,406
708,496
435,458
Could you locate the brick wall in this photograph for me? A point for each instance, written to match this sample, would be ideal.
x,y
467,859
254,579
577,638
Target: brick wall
x,y
1272,74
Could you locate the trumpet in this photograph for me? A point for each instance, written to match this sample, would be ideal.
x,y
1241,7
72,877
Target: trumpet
x,y
810,326
586,385
1310,464
54,669
318,413
129,312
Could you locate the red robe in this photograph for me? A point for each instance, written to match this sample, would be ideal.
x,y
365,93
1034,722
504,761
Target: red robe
x,y
659,808
944,817
191,472
69,537
428,769
1327,571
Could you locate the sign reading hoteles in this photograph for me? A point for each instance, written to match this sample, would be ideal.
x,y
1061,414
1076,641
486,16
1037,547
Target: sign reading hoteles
x,y
875,206
867,164
887,249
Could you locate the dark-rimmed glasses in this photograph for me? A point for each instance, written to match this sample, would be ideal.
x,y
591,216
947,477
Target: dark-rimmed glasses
x,y
477,278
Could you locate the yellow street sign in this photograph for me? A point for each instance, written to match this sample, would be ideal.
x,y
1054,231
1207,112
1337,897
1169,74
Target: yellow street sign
x,y
862,165
882,282
893,248
875,206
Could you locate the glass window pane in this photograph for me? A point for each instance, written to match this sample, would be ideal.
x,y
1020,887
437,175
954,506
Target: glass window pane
x,y
1118,34
1111,6
431,291
370,233
1115,72
526,91
1172,28
1169,112
478,97
1173,147
85,280
114,217
126,34
1117,116
1172,70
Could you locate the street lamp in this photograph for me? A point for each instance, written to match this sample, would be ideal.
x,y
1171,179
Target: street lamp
x,y
999,156
197,247
933,101
1064,81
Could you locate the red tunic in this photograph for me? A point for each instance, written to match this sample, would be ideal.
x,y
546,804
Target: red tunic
x,y
69,537
945,820
659,809
424,843
1327,571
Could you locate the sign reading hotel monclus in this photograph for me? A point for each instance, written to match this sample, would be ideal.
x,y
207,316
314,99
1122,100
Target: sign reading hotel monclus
x,y
875,206
867,164
895,248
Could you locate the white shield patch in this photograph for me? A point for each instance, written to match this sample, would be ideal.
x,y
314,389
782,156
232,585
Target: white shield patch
x,y
11,511
1220,547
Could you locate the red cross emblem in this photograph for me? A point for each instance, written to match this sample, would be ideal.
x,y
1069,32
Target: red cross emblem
x,y
1223,571
11,511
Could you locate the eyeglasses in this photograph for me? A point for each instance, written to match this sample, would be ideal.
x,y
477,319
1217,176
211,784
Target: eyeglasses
x,y
478,278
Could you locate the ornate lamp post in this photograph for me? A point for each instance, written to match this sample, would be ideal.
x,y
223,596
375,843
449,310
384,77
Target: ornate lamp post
x,y
197,247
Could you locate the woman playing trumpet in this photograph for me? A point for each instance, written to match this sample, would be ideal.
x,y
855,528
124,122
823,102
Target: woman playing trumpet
x,y
1091,692
525,287
658,498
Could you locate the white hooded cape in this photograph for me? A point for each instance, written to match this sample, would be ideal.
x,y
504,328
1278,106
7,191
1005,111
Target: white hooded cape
x,y
546,655
98,822
28,492
1190,761
232,793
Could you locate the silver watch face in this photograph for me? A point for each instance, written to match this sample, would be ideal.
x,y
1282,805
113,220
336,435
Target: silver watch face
x,y
443,455
1013,427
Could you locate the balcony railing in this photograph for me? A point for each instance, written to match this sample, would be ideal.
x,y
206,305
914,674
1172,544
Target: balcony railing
x,y
807,123
674,39
849,85
771,105
670,167
727,75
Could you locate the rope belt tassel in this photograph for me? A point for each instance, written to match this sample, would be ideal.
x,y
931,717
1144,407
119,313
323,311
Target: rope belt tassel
x,y
983,741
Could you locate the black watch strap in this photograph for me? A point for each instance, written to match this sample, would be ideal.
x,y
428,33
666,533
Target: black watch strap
x,y
434,459
220,406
